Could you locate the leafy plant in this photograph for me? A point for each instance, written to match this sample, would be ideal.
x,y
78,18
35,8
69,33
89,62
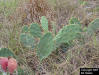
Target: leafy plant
x,y
74,21
82,2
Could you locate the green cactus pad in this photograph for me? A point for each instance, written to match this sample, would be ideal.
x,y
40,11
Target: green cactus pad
x,y
27,40
44,23
5,52
46,46
67,33
93,26
35,30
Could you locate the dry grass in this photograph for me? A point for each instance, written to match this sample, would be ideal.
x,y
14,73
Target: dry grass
x,y
58,63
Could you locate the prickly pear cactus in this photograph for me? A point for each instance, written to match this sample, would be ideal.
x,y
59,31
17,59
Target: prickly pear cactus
x,y
44,23
67,33
35,30
46,46
5,52
27,40
93,26
47,42
74,21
